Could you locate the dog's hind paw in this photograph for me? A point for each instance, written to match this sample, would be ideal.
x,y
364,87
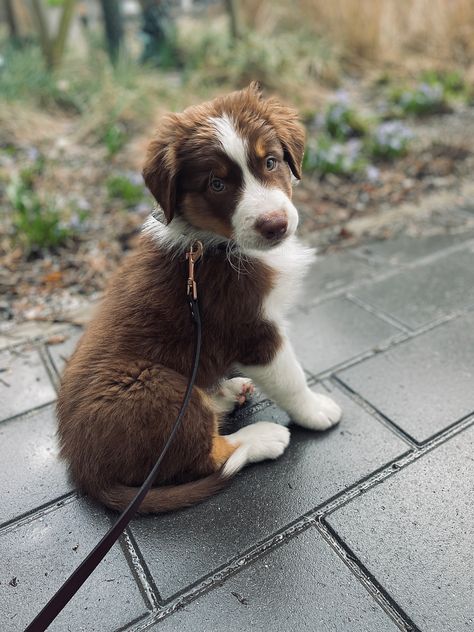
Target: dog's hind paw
x,y
233,392
257,442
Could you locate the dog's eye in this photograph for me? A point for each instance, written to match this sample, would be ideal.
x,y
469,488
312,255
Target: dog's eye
x,y
271,163
216,184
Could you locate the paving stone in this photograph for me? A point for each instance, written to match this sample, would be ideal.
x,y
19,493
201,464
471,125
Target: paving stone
x,y
31,475
24,382
31,330
61,352
420,295
302,585
414,533
37,557
182,547
407,248
5,342
424,384
334,332
332,273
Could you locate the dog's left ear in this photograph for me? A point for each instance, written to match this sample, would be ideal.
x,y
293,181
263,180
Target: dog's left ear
x,y
290,133
161,170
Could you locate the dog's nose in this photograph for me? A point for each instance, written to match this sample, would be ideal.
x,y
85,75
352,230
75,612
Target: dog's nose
x,y
272,225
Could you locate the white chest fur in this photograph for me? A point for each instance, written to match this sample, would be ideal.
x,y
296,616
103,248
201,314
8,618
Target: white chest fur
x,y
290,261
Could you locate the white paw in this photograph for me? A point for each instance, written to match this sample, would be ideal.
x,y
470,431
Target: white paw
x,y
263,440
258,441
317,412
234,392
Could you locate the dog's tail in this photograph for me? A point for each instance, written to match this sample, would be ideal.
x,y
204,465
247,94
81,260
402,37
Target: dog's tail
x,y
166,498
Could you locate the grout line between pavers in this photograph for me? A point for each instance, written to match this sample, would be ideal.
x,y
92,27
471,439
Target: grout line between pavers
x,y
374,412
388,344
254,552
395,466
380,314
48,364
38,512
204,585
430,257
393,270
370,583
314,517
130,624
138,567
387,422
56,328
30,412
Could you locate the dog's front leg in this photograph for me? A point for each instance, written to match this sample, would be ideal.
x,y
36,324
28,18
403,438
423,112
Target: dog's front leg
x,y
283,380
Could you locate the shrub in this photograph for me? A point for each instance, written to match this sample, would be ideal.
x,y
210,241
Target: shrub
x,y
128,190
342,121
452,82
389,140
328,156
423,100
114,138
36,224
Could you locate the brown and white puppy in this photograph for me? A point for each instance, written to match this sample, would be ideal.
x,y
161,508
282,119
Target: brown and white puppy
x,y
221,173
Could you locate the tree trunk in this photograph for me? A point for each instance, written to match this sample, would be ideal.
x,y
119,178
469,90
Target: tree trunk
x,y
64,25
11,21
113,27
53,47
235,26
43,32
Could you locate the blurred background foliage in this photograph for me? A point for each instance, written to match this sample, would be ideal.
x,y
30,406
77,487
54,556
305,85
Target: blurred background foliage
x,y
83,84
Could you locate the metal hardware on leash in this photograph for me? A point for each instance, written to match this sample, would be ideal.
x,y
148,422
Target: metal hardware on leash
x,y
193,257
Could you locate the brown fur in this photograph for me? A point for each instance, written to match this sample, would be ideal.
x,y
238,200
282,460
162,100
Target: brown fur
x,y
221,450
122,389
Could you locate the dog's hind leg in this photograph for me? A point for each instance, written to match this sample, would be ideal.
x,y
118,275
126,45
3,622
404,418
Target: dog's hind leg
x,y
251,444
233,392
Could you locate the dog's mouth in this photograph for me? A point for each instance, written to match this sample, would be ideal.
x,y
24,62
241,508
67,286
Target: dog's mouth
x,y
256,242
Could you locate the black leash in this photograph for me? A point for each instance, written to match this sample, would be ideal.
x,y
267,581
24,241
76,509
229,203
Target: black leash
x,y
90,563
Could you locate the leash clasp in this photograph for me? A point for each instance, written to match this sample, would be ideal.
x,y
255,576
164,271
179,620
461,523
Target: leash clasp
x,y
193,257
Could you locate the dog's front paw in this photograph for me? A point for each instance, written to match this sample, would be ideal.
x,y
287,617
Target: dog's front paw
x,y
317,412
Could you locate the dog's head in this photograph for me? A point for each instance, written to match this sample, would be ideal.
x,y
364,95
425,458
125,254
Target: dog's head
x,y
224,167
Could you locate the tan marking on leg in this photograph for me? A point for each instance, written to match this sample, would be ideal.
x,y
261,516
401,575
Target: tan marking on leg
x,y
221,450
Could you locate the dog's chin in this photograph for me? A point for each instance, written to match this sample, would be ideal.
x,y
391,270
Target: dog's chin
x,y
260,244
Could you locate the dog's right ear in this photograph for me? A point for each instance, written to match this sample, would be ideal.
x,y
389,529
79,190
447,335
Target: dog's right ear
x,y
161,170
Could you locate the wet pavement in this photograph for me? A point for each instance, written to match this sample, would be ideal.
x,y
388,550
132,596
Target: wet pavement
x,y
367,527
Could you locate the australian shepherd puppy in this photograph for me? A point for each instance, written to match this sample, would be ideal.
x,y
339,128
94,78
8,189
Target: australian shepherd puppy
x,y
222,174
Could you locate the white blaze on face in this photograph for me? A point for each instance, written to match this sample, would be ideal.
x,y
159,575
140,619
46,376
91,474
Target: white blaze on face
x,y
256,199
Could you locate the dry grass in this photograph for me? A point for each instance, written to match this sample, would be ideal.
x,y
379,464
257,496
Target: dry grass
x,y
387,31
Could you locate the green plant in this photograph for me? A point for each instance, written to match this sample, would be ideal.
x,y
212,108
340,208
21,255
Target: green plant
x,y
114,138
329,156
123,188
286,60
342,121
452,82
23,77
389,140
423,100
36,225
